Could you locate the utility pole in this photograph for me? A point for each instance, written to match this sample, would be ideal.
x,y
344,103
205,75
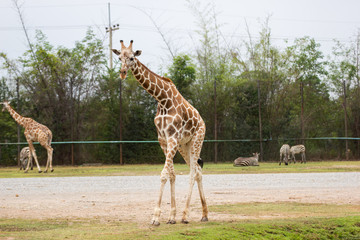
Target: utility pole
x,y
302,112
110,29
215,126
260,124
19,110
345,118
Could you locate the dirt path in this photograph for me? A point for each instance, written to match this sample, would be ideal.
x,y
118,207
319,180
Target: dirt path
x,y
133,198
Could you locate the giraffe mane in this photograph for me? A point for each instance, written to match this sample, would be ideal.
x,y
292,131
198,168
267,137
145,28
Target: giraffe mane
x,y
167,79
157,75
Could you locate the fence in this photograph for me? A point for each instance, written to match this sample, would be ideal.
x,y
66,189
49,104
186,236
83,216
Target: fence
x,y
107,152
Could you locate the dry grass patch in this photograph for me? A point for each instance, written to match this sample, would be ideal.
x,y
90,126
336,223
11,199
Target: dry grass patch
x,y
287,210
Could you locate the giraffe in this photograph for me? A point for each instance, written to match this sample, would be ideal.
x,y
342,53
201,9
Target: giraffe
x,y
179,127
34,132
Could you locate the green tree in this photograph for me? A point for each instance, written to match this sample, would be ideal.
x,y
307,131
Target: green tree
x,y
345,78
182,73
57,84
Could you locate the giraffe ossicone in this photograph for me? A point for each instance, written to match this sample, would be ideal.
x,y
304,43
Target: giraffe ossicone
x,y
34,132
179,127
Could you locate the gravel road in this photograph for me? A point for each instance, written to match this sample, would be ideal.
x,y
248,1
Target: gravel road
x,y
132,198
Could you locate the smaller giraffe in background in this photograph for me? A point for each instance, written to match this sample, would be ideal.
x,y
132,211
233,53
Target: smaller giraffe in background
x,y
34,132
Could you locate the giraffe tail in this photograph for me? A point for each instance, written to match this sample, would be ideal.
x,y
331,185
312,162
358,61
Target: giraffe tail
x,y
200,162
49,138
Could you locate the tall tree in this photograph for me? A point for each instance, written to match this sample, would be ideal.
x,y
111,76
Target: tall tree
x,y
182,73
307,68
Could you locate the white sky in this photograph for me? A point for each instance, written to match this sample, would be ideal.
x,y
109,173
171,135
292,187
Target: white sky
x,y
66,21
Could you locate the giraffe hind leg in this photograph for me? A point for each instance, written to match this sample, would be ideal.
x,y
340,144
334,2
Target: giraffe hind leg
x,y
33,153
49,150
196,175
36,161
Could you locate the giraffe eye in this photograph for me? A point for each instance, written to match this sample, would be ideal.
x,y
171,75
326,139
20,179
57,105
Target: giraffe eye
x,y
131,59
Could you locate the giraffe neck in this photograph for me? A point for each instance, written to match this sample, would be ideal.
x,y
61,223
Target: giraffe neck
x,y
154,84
17,117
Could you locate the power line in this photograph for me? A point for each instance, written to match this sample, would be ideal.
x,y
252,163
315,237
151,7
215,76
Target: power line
x,y
184,11
60,6
152,29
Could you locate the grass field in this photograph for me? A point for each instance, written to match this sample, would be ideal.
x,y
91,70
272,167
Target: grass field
x,y
279,220
344,224
209,168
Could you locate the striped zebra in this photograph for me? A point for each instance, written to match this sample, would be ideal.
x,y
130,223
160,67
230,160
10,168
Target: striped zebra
x,y
25,155
250,161
296,150
284,153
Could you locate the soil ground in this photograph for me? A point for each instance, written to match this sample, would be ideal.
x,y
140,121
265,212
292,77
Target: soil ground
x,y
133,198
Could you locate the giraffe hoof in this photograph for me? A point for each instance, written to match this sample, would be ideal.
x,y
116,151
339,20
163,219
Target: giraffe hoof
x,y
155,223
204,219
184,221
52,170
25,171
40,171
171,222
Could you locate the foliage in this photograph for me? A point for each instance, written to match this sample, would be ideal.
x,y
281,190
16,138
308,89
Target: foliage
x,y
74,93
182,73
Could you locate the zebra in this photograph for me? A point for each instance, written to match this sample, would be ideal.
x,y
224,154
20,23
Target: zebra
x,y
25,156
284,153
296,150
250,161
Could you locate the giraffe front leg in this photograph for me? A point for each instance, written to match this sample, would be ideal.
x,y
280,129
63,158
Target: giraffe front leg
x,y
173,204
157,211
169,147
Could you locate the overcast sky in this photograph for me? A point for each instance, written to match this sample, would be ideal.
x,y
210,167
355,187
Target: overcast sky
x,y
66,21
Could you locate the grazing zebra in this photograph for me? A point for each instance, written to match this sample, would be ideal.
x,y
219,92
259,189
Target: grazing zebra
x,y
250,161
25,156
296,150
284,153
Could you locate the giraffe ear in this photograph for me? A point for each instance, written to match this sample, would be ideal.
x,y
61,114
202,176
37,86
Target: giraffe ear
x,y
116,51
137,53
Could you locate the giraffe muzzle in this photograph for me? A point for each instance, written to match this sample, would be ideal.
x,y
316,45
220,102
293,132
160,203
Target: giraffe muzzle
x,y
123,75
123,71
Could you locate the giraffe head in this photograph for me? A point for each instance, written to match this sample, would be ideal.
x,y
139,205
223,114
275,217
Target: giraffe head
x,y
127,57
5,105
